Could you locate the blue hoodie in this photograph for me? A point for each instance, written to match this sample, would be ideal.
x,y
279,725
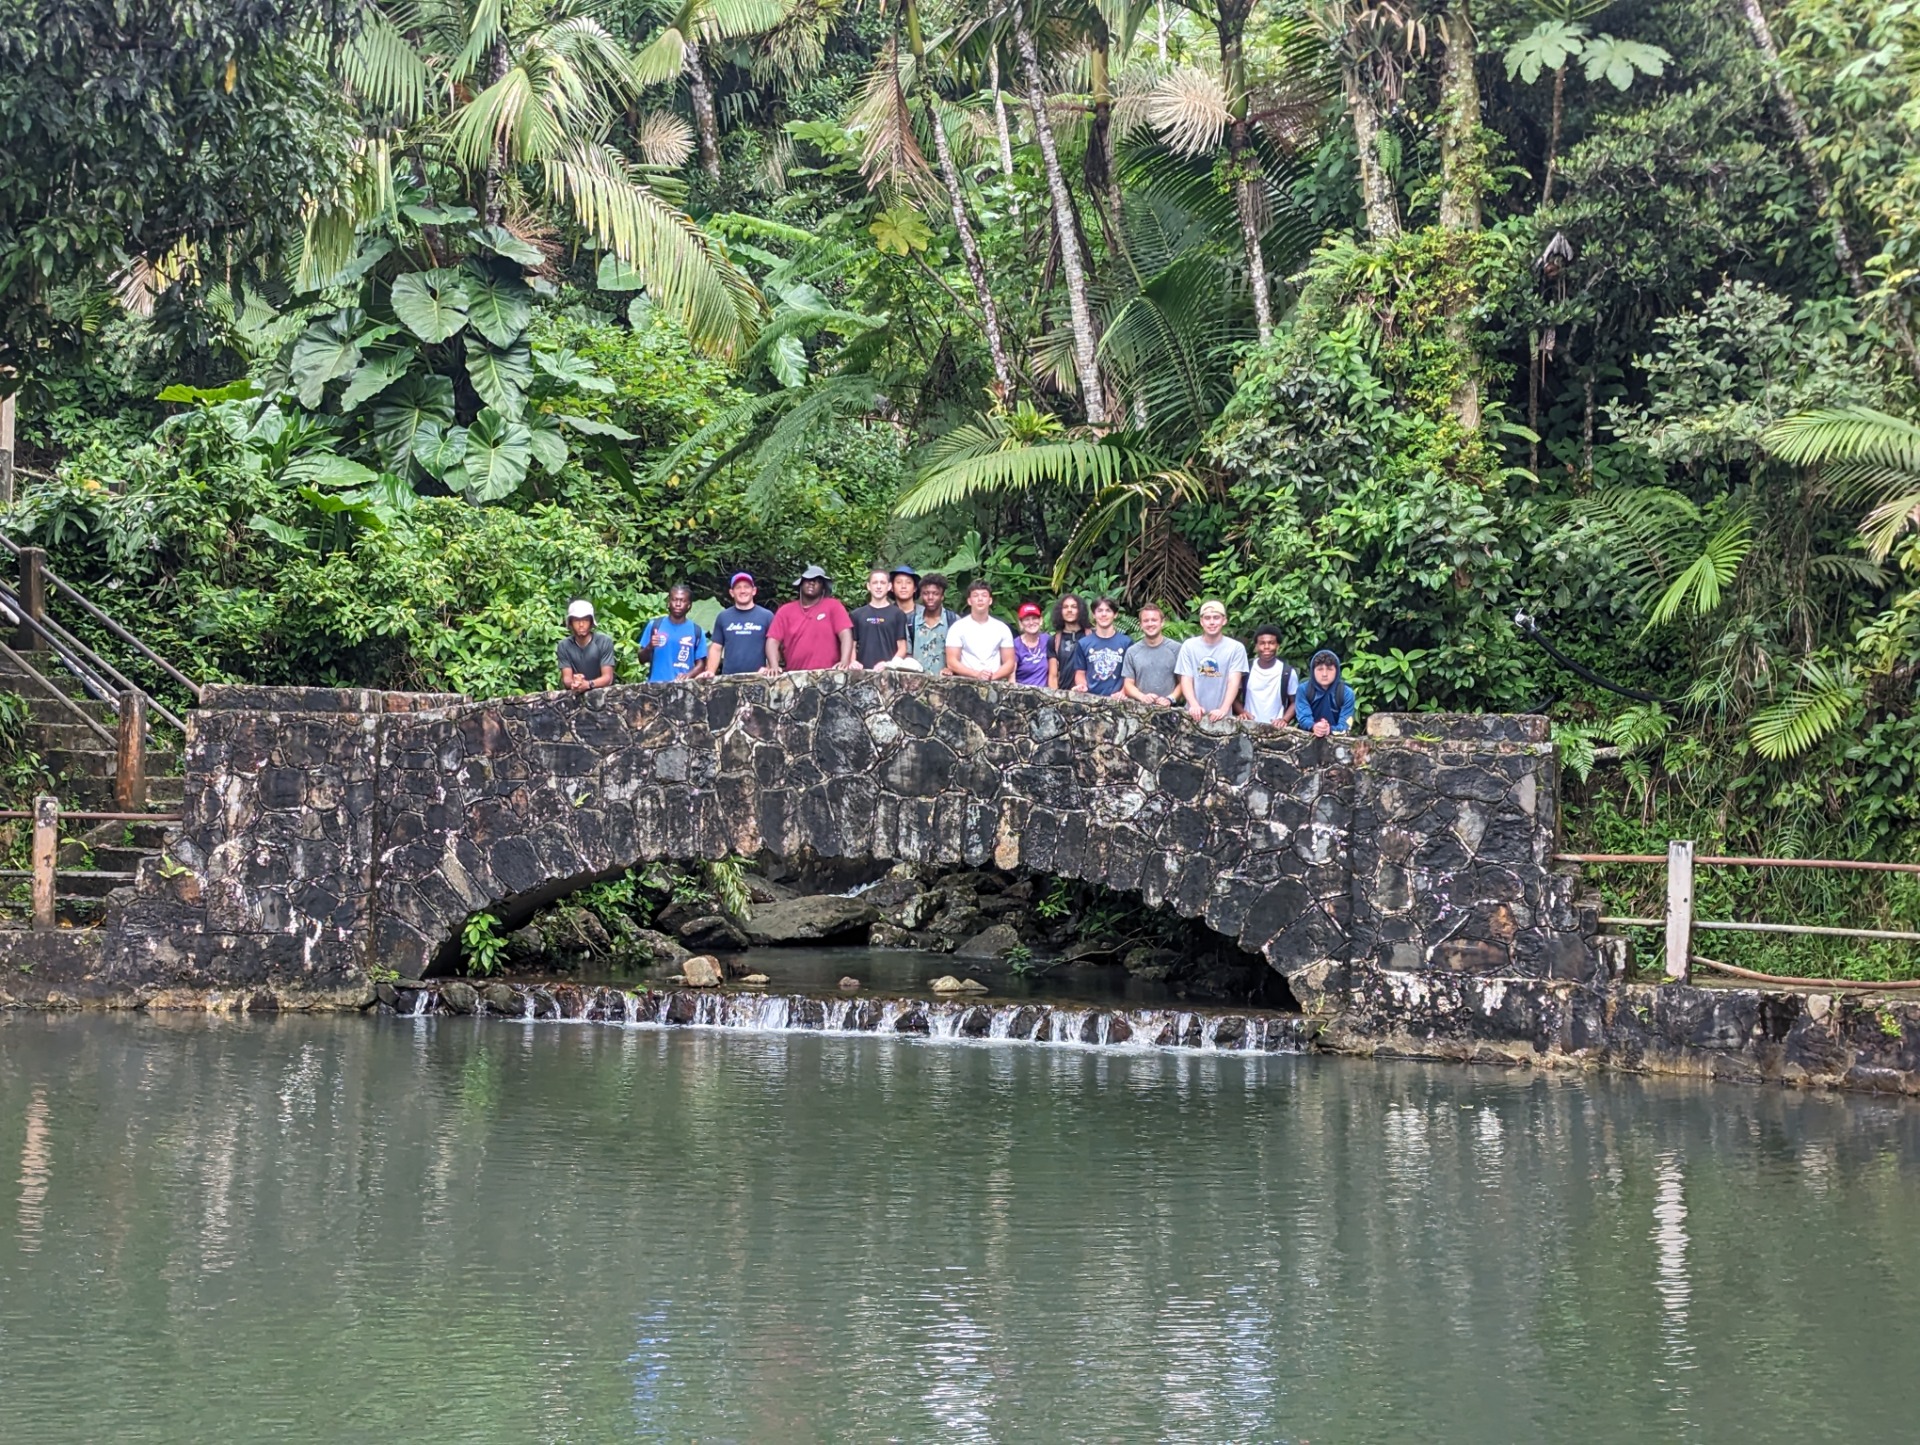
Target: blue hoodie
x,y
1333,704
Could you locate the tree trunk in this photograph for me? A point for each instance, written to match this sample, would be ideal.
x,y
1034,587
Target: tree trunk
x,y
1553,133
491,206
1803,142
1160,28
1244,165
1462,153
1000,111
1376,188
706,122
1462,177
1086,362
1097,161
956,198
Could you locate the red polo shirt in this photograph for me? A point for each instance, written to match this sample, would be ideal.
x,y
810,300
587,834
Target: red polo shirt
x,y
809,633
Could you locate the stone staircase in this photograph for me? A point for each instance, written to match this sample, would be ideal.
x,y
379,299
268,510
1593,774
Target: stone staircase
x,y
94,858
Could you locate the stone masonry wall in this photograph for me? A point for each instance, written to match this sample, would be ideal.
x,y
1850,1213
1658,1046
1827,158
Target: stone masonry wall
x,y
328,831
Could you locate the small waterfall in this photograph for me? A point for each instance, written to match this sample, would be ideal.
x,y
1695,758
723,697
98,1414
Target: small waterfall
x,y
1137,1030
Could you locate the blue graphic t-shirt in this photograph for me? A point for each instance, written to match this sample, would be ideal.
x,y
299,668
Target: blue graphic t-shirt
x,y
1100,658
676,648
742,636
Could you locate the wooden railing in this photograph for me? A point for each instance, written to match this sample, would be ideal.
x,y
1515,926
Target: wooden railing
x,y
37,634
46,816
1680,924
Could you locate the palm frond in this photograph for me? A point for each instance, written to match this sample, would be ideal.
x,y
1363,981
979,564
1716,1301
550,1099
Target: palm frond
x,y
730,19
661,59
890,154
382,67
684,269
1845,434
1816,706
1075,464
1699,587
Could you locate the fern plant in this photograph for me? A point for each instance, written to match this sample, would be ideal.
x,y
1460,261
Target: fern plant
x,y
1825,697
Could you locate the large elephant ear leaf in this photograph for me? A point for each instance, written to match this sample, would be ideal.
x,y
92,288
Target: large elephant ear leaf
x,y
498,452
498,307
378,371
405,407
431,304
547,442
439,449
501,377
326,349
502,242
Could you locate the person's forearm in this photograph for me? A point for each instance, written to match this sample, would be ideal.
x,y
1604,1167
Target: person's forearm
x,y
1053,672
1005,669
605,679
846,648
773,655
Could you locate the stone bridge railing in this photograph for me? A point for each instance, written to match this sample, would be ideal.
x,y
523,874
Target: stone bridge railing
x,y
329,831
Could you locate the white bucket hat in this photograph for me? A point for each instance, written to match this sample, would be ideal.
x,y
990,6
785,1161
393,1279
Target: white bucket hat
x,y
579,607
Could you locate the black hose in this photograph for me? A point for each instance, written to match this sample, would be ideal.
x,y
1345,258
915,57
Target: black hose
x,y
1532,629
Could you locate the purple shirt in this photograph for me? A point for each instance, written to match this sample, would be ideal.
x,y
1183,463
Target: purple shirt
x,y
1030,659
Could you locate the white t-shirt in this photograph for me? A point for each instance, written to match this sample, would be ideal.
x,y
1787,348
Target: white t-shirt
x,y
1268,689
979,643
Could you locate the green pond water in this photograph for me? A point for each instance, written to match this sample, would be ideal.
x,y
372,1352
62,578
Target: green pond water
x,y
446,1229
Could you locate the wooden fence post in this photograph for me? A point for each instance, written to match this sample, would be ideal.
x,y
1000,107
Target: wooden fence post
x,y
1680,911
33,598
46,848
130,755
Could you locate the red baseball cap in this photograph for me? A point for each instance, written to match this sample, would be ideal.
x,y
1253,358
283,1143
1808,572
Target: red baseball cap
x,y
740,577
1030,609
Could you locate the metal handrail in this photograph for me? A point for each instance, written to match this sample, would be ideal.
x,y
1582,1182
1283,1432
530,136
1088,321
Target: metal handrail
x,y
58,696
61,584
60,641
1855,864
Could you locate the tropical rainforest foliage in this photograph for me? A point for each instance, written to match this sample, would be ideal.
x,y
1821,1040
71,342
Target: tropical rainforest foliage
x,y
350,339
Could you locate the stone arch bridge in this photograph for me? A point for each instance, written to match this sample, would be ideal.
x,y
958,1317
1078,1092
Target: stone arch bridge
x,y
327,832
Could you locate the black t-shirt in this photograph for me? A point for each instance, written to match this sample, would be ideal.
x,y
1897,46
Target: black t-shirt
x,y
878,633
1065,645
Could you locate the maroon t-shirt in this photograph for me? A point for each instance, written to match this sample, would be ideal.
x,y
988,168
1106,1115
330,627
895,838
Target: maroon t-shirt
x,y
809,633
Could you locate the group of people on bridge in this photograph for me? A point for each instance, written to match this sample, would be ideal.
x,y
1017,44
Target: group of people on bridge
x,y
907,626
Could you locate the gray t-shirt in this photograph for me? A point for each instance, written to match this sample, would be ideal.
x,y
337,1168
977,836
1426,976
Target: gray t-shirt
x,y
585,661
1210,667
1150,666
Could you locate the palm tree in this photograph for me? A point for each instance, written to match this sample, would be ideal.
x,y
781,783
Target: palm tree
x,y
1086,363
679,49
890,156
505,95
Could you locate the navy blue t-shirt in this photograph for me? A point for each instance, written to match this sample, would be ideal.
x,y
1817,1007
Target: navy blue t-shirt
x,y
743,638
1100,658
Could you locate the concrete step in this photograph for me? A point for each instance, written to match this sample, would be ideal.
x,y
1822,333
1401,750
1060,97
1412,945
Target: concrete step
x,y
71,763
45,709
135,838
70,883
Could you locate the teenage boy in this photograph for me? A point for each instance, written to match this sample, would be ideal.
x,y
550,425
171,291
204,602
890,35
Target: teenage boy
x,y
1097,660
880,628
905,583
740,632
1325,704
1146,673
675,645
585,656
813,632
928,635
1271,684
1211,667
980,645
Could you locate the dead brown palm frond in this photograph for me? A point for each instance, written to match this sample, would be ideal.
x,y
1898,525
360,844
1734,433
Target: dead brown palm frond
x,y
890,154
1189,110
664,139
1162,565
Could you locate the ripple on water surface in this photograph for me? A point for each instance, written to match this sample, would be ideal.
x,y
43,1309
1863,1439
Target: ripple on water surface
x,y
447,1229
